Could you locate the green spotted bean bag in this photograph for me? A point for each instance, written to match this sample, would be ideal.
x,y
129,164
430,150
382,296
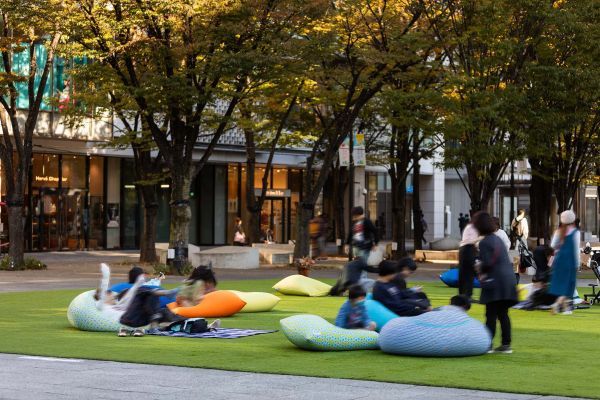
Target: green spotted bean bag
x,y
311,332
300,285
84,315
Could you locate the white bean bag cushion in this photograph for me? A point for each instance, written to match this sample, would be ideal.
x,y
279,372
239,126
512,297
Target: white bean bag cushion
x,y
257,301
448,332
300,285
83,314
311,332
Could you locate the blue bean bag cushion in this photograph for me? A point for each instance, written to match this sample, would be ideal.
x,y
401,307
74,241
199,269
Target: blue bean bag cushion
x,y
450,278
378,313
164,300
447,332
83,314
311,332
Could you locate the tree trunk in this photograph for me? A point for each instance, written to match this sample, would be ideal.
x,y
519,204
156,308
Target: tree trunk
x,y
305,214
181,214
16,234
399,213
540,193
148,239
416,201
340,183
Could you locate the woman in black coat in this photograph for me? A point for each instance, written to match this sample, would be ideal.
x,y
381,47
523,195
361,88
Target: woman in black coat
x,y
498,282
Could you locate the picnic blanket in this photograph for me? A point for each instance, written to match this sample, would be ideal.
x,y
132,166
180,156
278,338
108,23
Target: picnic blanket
x,y
221,333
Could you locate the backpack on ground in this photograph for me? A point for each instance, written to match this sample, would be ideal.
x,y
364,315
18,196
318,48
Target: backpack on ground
x,y
190,325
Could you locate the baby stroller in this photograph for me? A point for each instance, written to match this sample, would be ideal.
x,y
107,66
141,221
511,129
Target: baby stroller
x,y
594,265
526,259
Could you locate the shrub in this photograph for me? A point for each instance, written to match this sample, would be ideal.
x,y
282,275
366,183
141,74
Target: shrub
x,y
7,264
169,270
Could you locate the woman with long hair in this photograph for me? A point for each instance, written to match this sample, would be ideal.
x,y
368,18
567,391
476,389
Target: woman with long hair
x,y
201,281
498,282
566,260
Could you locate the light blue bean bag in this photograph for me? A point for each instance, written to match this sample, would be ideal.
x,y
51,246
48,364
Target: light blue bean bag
x,y
450,278
83,314
378,313
447,332
311,332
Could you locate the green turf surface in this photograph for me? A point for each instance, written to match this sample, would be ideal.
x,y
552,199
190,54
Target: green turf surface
x,y
553,354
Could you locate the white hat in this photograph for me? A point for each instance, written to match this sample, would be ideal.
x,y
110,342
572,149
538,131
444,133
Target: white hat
x,y
567,217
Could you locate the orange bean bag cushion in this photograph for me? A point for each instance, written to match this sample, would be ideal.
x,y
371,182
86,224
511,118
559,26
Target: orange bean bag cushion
x,y
221,303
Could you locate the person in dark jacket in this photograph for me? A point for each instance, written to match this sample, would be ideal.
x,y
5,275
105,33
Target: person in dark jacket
x,y
467,252
498,282
401,302
363,238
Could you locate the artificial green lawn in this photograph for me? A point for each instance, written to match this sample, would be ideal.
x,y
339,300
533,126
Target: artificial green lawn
x,y
553,354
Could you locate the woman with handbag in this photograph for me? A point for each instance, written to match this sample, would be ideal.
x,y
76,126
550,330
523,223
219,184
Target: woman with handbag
x,y
498,282
239,237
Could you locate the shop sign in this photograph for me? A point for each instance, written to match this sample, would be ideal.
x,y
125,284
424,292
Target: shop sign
x,y
49,178
358,151
274,192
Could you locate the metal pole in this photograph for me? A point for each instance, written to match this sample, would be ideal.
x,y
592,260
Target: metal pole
x,y
512,194
350,193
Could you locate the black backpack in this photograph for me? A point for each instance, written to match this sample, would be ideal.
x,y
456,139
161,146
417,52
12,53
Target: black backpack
x,y
191,325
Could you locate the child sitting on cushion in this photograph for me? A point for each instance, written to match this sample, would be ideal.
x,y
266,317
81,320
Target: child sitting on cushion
x,y
402,302
201,281
353,314
405,267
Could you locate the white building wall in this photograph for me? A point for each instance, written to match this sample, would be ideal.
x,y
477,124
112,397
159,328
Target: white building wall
x,y
457,198
432,203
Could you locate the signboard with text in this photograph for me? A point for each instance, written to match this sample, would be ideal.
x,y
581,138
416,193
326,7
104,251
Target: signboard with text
x,y
359,155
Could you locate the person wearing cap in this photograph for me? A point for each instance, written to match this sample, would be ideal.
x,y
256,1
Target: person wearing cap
x,y
565,242
390,295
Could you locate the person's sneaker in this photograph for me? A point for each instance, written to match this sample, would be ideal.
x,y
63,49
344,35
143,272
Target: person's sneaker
x,y
490,350
138,333
568,312
216,324
504,349
122,332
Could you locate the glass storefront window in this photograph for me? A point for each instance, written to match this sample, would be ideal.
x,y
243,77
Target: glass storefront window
x,y
280,179
73,172
45,170
96,210
259,173
232,200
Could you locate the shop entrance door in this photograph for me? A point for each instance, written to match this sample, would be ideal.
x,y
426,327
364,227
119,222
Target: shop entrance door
x,y
73,215
45,220
58,221
274,218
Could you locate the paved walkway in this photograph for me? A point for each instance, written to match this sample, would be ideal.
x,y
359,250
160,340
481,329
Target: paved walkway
x,y
42,378
80,269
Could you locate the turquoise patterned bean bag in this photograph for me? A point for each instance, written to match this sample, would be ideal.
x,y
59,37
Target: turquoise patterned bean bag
x,y
84,315
447,332
311,332
378,313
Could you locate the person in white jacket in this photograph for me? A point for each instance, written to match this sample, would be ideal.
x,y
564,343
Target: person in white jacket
x,y
520,226
501,234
